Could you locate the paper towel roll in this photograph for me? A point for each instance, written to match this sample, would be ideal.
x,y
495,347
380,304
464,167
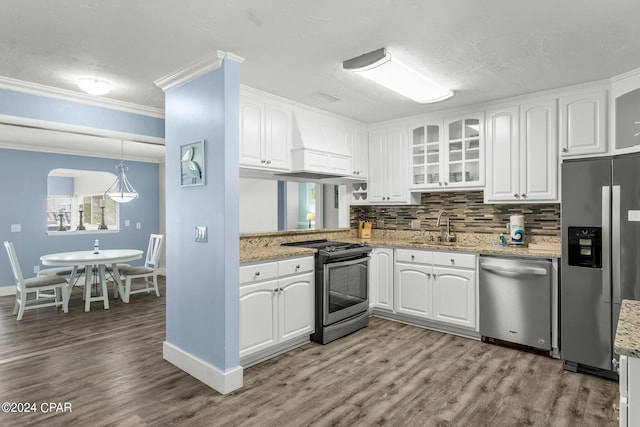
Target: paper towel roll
x,y
516,229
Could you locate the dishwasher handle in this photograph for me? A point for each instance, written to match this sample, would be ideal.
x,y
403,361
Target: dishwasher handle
x,y
518,271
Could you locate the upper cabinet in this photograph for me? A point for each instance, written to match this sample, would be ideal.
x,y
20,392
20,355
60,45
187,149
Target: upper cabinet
x,y
357,139
583,123
522,153
448,155
388,176
625,104
265,133
464,151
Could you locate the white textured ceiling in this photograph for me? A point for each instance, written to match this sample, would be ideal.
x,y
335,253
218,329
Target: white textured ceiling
x,y
483,50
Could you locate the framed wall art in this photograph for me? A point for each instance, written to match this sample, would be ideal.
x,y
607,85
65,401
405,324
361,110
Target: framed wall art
x,y
192,167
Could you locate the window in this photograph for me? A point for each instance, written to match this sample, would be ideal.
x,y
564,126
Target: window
x,y
75,193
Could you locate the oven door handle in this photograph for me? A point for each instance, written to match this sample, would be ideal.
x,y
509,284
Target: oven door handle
x,y
349,262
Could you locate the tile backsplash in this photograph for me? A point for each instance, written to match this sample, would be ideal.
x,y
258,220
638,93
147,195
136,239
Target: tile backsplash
x,y
467,212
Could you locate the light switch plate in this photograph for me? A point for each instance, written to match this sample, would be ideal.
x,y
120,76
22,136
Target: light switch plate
x,y
16,228
201,233
138,225
126,222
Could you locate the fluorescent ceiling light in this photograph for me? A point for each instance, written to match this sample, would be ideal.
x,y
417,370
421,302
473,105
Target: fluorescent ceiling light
x,y
94,85
379,67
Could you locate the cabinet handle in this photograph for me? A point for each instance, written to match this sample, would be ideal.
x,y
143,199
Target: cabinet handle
x,y
281,289
453,261
440,184
413,257
275,291
298,267
257,273
268,162
263,161
428,274
446,183
516,195
524,196
564,150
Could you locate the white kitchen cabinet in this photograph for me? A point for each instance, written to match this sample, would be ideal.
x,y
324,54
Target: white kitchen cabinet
x,y
414,283
629,391
426,156
276,303
463,152
454,296
522,156
265,133
381,279
388,177
358,140
583,123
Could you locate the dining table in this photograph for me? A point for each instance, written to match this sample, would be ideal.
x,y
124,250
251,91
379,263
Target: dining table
x,y
93,261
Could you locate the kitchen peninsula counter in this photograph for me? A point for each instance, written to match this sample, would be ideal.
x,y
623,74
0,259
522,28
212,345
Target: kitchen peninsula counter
x,y
627,342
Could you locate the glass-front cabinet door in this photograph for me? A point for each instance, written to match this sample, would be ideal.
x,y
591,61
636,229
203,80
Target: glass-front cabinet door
x,y
426,155
464,165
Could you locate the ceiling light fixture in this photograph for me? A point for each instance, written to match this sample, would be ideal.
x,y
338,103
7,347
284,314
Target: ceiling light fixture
x,y
381,68
94,85
121,191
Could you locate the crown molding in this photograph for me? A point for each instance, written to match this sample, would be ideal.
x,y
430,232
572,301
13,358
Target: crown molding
x,y
70,95
195,70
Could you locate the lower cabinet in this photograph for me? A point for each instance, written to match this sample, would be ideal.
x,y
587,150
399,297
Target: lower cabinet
x,y
454,296
436,286
629,391
276,303
381,279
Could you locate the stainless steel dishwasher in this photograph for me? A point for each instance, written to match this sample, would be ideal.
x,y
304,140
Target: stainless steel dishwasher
x,y
515,300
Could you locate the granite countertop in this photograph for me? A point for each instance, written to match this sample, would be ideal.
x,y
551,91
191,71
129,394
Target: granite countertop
x,y
627,342
266,252
553,251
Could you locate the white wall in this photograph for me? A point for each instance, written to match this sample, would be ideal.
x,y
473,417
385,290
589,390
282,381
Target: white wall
x,y
258,205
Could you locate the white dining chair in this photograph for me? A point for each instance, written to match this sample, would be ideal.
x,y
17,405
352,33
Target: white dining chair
x,y
36,285
149,272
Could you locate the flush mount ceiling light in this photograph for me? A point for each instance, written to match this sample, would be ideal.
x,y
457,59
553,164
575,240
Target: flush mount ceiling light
x,y
121,191
94,85
379,67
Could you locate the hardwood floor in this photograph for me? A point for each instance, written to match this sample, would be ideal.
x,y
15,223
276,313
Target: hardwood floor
x,y
108,365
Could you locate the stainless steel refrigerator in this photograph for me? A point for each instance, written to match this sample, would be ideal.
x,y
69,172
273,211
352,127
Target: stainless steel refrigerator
x,y
600,257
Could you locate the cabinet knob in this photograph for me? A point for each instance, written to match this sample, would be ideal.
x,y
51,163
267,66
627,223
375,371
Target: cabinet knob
x,y
257,273
428,274
453,261
413,257
280,289
263,161
275,291
524,196
516,195
564,150
298,267
268,162
446,183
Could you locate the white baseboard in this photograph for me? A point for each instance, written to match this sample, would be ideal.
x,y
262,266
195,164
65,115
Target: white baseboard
x,y
7,290
222,382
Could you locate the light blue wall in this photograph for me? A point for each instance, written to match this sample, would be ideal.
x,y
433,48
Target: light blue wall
x,y
38,107
60,185
202,278
23,190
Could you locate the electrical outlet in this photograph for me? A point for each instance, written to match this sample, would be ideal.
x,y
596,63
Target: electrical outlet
x,y
138,226
127,222
36,269
201,233
16,228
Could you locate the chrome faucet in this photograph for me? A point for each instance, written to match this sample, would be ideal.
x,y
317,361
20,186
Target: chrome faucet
x,y
448,236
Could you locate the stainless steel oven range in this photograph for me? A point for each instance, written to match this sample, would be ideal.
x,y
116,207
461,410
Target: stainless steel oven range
x,y
342,288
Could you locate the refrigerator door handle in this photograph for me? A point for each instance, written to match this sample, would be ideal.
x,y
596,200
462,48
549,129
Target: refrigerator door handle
x,y
615,243
606,244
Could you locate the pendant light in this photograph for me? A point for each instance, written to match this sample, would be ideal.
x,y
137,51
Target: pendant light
x,y
121,191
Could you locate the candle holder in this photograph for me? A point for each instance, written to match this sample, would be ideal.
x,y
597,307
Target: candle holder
x,y
61,217
80,225
102,226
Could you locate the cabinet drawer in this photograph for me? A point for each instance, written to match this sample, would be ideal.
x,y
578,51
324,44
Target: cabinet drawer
x,y
258,272
295,266
452,259
413,255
